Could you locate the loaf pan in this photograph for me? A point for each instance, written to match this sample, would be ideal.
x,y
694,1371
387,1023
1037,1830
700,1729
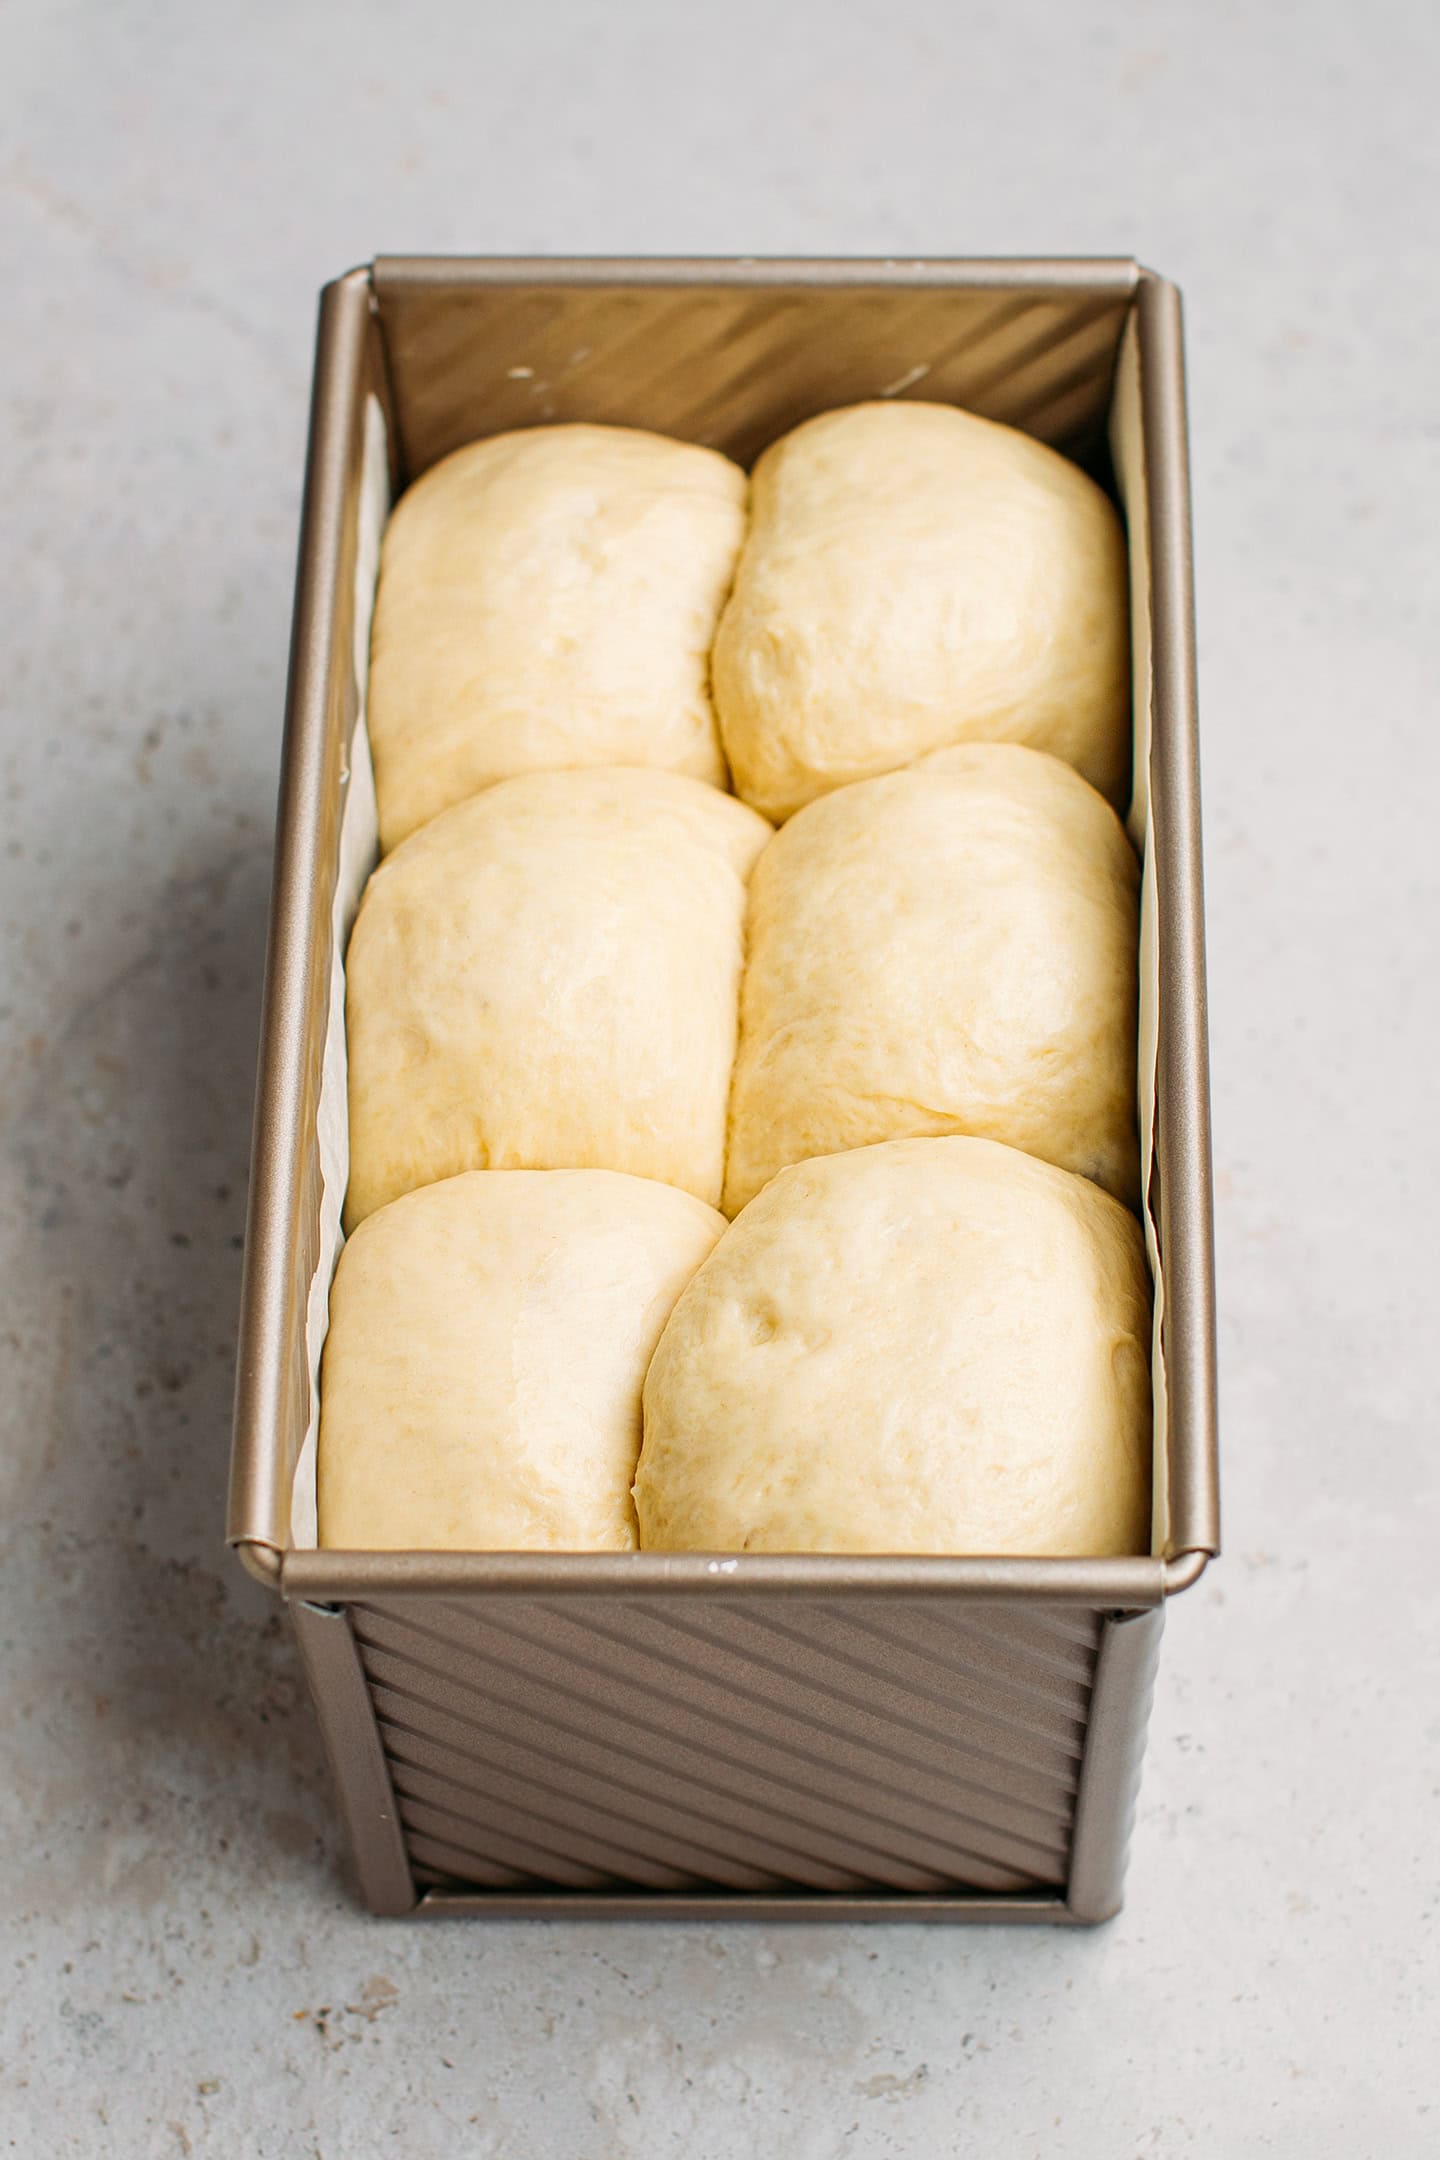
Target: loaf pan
x,y
668,1735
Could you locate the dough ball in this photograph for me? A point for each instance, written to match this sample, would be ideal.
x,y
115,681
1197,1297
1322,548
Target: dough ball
x,y
547,977
928,1346
948,949
480,1389
916,576
548,599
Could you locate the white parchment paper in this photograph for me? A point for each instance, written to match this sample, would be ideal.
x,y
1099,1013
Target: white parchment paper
x,y
359,850
1127,449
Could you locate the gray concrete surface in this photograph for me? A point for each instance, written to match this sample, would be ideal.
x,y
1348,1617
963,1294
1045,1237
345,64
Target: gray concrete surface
x,y
185,1968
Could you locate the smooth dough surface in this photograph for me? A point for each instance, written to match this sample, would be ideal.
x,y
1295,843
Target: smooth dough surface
x,y
915,576
480,1388
951,948
928,1346
547,977
548,599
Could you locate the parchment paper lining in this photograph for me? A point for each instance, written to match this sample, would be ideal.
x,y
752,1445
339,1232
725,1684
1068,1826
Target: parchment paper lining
x,y
1127,451
359,851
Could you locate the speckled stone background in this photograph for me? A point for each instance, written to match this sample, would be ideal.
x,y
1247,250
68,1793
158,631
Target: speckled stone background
x,y
185,1969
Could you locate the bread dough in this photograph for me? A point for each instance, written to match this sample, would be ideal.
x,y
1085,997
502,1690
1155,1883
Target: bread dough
x,y
547,977
480,1388
947,949
916,576
928,1346
548,599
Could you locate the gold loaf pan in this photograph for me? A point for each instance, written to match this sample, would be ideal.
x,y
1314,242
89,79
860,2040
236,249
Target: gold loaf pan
x,y
672,1735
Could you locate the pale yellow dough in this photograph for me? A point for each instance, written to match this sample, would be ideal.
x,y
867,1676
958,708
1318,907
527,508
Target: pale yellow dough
x,y
928,1346
482,1373
947,949
547,977
548,599
915,576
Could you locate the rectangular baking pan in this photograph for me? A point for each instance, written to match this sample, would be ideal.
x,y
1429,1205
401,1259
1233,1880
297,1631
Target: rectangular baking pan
x,y
660,1734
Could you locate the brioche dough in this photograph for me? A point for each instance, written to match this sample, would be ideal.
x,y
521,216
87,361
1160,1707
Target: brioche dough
x,y
488,1340
916,576
548,599
926,1346
946,949
547,977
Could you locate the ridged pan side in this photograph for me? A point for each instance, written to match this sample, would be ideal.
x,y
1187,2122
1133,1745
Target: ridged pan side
x,y
911,1746
734,363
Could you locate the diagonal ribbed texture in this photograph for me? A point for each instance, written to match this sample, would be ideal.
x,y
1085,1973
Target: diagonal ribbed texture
x,y
735,367
766,1745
